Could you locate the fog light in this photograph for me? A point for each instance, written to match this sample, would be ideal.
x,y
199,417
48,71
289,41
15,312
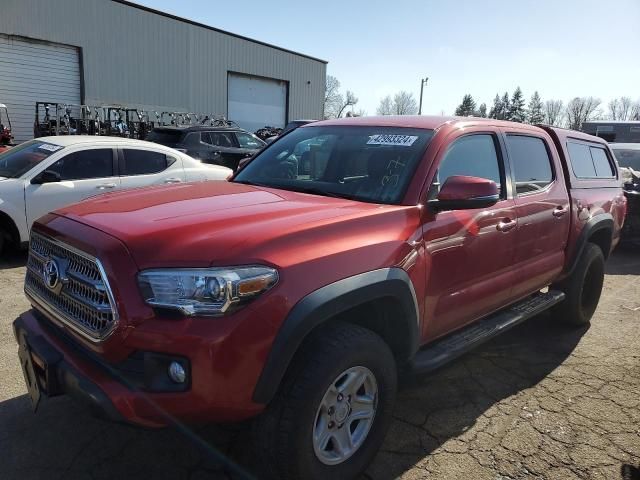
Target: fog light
x,y
177,373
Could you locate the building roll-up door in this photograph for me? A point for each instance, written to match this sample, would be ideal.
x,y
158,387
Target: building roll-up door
x,y
30,72
256,102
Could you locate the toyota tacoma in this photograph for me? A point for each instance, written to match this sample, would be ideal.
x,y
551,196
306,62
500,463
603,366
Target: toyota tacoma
x,y
344,253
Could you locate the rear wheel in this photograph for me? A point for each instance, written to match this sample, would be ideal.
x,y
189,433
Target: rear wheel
x,y
582,288
333,409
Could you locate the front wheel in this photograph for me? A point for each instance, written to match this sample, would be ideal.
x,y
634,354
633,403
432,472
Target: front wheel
x,y
333,409
582,288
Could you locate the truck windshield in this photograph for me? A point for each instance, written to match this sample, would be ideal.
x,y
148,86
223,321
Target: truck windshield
x,y
627,157
19,160
366,163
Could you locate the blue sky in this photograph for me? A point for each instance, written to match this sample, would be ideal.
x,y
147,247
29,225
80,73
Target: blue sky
x,y
562,48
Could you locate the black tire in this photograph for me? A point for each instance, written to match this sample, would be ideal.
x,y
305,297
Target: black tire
x,y
283,434
582,288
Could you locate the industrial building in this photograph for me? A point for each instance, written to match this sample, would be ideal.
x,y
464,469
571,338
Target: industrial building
x,y
115,52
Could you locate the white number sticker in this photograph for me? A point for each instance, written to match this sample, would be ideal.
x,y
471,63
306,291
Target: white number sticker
x,y
49,147
398,140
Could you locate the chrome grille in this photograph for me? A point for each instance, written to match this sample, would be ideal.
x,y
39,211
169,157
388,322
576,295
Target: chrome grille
x,y
82,298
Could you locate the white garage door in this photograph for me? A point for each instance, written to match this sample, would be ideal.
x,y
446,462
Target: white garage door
x,y
32,72
256,102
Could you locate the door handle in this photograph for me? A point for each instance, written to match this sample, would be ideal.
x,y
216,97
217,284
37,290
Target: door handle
x,y
172,180
104,186
506,225
559,211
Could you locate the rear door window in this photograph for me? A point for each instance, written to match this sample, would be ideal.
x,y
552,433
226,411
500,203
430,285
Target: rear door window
x,y
601,162
86,164
219,139
589,161
143,162
248,141
531,163
581,161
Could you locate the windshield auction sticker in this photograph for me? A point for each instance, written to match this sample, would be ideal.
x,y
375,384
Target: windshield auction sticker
x,y
49,147
398,140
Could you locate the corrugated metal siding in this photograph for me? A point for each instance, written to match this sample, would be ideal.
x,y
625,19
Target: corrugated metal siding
x,y
35,71
137,57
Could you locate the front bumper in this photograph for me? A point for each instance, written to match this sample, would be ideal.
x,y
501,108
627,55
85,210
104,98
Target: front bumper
x,y
72,370
56,376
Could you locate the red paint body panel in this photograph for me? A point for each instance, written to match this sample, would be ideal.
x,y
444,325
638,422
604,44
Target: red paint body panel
x,y
463,264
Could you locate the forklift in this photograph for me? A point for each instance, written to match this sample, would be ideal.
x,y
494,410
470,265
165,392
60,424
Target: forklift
x,y
6,136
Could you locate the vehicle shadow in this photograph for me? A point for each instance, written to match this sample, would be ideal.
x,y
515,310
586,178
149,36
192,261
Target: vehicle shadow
x,y
13,259
70,442
432,410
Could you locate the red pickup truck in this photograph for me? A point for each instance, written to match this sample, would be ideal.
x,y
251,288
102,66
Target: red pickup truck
x,y
345,252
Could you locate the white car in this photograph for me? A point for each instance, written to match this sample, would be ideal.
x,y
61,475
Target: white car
x,y
47,173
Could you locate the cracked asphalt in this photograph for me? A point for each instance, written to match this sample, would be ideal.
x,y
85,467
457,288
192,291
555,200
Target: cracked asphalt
x,y
542,401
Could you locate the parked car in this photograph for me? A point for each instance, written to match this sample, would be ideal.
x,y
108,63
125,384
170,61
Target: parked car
x,y
50,172
346,252
628,156
289,127
217,145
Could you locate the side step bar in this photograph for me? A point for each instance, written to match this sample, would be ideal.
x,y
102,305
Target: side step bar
x,y
452,346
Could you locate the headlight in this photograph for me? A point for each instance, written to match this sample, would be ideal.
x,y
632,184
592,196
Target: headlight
x,y
205,291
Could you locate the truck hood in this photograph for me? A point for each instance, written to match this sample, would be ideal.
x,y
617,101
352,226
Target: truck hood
x,y
209,223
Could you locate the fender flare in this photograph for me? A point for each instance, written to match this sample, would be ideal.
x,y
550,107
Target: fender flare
x,y
328,301
604,221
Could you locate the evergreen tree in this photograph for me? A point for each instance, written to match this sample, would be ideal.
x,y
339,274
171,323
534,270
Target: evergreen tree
x,y
516,108
482,111
506,107
496,108
535,112
467,107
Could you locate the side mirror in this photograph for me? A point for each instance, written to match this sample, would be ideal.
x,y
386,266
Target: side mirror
x,y
48,176
463,193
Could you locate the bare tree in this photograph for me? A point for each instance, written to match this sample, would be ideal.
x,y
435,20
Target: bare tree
x,y
385,107
332,97
620,108
635,111
580,110
349,101
554,112
404,104
334,102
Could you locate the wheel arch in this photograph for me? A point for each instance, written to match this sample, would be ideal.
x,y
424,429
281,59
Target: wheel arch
x,y
598,230
379,292
10,228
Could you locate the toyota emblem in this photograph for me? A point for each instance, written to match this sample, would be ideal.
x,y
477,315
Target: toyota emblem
x,y
51,274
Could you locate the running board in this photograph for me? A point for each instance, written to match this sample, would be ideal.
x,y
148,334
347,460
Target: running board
x,y
452,346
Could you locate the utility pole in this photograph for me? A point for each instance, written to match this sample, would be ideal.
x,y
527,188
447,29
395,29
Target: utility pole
x,y
423,82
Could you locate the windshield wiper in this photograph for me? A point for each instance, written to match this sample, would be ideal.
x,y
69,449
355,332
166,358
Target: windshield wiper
x,y
317,191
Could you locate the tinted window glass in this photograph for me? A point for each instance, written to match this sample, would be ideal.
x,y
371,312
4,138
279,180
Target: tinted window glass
x,y
140,162
581,161
220,139
165,137
473,156
19,160
248,141
86,164
531,163
627,157
601,162
366,163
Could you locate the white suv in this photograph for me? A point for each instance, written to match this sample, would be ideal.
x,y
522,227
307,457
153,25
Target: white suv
x,y
48,173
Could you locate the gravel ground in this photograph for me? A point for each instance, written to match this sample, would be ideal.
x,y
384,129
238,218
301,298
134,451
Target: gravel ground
x,y
542,401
